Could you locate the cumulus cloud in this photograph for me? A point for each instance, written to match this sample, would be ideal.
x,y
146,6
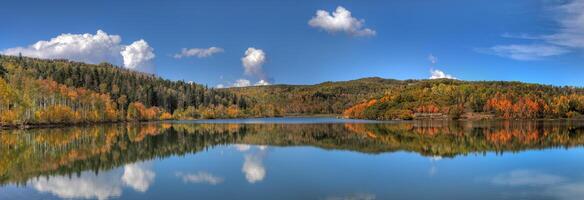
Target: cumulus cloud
x,y
220,86
436,74
138,176
198,52
340,21
90,48
253,61
138,56
200,177
567,38
79,47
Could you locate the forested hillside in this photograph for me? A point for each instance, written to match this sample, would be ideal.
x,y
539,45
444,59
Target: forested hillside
x,y
387,99
454,99
324,98
39,91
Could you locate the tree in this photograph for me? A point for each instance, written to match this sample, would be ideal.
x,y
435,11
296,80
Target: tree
x,y
2,71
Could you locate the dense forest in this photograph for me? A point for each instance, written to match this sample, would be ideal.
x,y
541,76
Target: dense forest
x,y
454,99
387,99
40,91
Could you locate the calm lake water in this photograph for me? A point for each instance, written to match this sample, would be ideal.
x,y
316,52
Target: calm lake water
x,y
296,158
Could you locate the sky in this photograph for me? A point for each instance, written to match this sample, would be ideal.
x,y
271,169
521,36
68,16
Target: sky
x,y
239,43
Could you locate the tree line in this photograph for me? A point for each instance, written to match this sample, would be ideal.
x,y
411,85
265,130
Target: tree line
x,y
43,91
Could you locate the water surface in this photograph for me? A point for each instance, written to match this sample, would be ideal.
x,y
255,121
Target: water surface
x,y
296,158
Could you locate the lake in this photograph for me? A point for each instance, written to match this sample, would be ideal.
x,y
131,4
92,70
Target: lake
x,y
296,158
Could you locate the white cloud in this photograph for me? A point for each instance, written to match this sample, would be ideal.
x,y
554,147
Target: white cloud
x,y
245,83
138,176
568,37
252,61
198,52
436,74
340,21
138,56
262,82
571,21
200,177
527,52
242,83
90,48
526,178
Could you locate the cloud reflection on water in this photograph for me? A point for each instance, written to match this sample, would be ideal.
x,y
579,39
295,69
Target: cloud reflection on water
x,y
102,186
544,184
253,167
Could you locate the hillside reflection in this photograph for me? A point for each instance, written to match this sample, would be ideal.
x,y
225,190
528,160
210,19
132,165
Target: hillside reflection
x,y
32,154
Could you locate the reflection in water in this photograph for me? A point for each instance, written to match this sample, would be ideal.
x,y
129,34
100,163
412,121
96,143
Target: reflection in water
x,y
101,186
358,196
200,177
29,153
544,185
242,147
526,178
101,161
253,166
87,185
138,176
433,168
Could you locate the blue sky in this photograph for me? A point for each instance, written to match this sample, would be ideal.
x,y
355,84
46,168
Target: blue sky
x,y
539,41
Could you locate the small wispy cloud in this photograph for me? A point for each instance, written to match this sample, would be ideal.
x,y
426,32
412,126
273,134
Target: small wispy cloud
x,y
198,52
433,59
567,38
526,52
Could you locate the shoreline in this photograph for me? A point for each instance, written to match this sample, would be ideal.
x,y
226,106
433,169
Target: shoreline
x,y
65,125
